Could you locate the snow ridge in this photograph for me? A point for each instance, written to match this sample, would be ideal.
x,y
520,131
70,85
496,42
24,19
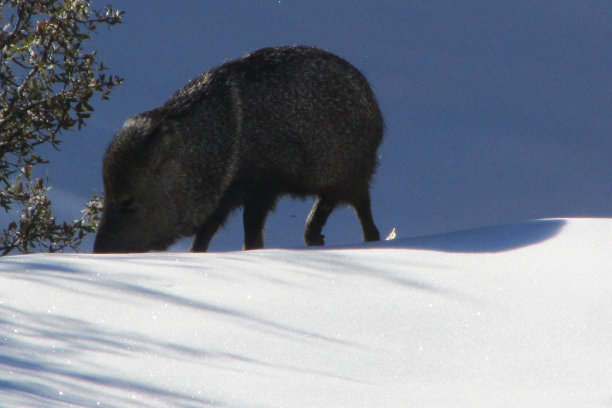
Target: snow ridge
x,y
507,316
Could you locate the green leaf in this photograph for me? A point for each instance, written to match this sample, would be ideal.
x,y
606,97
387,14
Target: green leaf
x,y
47,81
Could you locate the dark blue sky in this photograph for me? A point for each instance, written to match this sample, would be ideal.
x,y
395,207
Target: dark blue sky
x,y
496,111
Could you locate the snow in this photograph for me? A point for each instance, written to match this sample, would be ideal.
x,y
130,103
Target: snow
x,y
514,315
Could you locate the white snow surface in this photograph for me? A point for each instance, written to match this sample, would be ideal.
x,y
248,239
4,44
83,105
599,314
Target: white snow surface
x,y
509,316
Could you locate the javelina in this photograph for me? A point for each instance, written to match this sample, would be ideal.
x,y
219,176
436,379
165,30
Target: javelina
x,y
285,120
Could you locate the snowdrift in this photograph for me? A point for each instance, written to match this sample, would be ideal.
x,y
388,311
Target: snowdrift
x,y
508,316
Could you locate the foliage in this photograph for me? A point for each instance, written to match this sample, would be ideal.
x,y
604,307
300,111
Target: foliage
x,y
47,80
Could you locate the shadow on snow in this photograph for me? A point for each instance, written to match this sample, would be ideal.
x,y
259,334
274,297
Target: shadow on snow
x,y
496,238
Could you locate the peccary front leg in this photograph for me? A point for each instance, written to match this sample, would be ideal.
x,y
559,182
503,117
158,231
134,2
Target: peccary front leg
x,y
254,219
207,230
317,219
203,237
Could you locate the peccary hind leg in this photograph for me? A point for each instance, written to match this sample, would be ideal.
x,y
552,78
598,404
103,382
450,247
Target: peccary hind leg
x,y
364,213
324,207
317,219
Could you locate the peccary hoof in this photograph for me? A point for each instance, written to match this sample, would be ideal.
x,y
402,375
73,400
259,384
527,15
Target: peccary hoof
x,y
316,240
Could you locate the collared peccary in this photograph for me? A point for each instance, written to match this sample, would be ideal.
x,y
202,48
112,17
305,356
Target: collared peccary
x,y
285,120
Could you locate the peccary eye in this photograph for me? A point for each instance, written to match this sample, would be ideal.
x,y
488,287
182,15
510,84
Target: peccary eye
x,y
128,206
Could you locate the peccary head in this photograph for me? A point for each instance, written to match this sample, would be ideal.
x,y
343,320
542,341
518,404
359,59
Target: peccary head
x,y
147,201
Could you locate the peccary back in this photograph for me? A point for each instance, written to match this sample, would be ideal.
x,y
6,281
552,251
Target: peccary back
x,y
285,120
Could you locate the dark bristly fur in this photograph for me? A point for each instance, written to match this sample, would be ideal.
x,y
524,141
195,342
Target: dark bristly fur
x,y
286,120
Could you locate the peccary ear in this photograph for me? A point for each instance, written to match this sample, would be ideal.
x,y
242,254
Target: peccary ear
x,y
160,142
